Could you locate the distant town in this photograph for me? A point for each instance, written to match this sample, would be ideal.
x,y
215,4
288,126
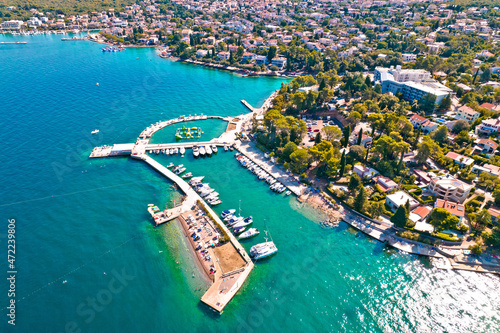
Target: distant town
x,y
392,107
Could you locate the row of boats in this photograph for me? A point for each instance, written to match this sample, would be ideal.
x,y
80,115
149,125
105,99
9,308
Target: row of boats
x,y
205,191
274,185
208,150
171,151
238,225
112,49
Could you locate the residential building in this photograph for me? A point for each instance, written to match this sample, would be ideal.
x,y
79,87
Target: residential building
x,y
364,172
488,168
280,62
417,120
461,160
224,55
449,188
467,113
409,57
12,25
385,184
400,198
488,126
429,126
486,146
454,208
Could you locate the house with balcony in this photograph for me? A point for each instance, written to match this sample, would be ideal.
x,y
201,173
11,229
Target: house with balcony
x,y
449,188
461,160
467,113
454,208
400,198
488,127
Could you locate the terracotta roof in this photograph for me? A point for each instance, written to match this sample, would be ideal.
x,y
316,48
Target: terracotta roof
x,y
452,207
422,211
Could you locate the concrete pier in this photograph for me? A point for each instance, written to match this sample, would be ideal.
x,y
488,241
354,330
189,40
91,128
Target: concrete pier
x,y
221,292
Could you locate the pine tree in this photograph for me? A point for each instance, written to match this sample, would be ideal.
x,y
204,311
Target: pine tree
x,y
360,137
347,134
317,139
400,164
399,217
361,202
322,85
342,164
407,207
231,59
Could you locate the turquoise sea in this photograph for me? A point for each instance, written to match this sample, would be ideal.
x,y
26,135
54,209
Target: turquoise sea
x,y
85,221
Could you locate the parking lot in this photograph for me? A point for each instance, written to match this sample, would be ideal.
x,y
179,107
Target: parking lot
x,y
313,127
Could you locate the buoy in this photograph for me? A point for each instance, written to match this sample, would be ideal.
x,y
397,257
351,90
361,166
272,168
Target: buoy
x,y
97,84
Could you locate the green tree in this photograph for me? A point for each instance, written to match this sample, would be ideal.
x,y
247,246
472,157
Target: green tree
x,y
476,249
289,148
460,125
399,218
347,133
426,149
354,183
428,103
299,160
342,164
441,219
271,53
445,103
360,136
317,139
332,133
361,201
441,134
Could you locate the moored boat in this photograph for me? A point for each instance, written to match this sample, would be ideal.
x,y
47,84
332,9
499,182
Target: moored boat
x,y
263,250
252,232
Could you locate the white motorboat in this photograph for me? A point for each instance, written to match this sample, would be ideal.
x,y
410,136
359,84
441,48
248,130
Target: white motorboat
x,y
182,151
231,148
179,171
227,212
208,150
187,175
252,232
202,151
263,250
234,221
170,165
196,151
225,148
206,192
287,193
238,230
167,152
171,151
242,224
95,131
176,150
214,149
215,203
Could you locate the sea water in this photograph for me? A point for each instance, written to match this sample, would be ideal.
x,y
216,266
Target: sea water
x,y
84,221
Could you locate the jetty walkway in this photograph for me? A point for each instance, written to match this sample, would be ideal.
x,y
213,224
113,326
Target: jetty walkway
x,y
221,291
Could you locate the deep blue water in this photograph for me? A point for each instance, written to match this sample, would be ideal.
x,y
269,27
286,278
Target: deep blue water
x,y
85,221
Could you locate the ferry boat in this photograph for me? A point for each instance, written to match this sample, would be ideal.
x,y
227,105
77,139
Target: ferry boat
x,y
196,151
252,232
95,131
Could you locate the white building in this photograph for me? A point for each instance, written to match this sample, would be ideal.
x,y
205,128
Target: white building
x,y
488,126
467,113
400,198
414,84
449,188
409,57
12,25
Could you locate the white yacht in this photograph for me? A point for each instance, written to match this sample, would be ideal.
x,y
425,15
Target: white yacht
x,y
176,150
227,212
196,151
167,152
182,151
202,151
214,149
263,250
252,232
225,148
208,150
